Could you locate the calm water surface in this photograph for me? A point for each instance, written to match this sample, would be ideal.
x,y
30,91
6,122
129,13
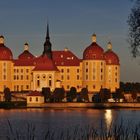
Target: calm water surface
x,y
61,119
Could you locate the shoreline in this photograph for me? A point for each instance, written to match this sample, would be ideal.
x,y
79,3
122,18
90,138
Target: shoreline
x,y
85,105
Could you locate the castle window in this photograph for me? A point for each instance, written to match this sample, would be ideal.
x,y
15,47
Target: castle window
x,y
86,63
78,77
36,99
116,80
68,77
94,86
50,81
101,77
27,70
38,83
27,77
21,87
68,70
21,70
115,73
101,70
4,77
30,99
27,86
62,77
86,77
101,63
14,77
78,70
94,77
68,86
21,77
86,70
62,70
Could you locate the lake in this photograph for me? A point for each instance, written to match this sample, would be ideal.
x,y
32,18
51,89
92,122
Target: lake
x,y
15,122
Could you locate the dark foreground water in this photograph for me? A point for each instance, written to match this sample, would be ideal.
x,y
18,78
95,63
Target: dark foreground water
x,y
39,123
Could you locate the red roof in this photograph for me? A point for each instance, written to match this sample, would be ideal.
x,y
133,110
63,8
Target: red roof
x,y
65,58
93,52
43,63
5,53
35,93
111,58
24,62
26,55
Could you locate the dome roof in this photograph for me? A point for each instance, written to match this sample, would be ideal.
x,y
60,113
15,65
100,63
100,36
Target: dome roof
x,y
5,53
43,63
111,58
26,54
94,51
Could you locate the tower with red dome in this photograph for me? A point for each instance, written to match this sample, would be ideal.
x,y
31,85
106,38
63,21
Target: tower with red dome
x,y
6,65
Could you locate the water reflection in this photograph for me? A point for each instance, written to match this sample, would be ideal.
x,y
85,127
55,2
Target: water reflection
x,y
108,118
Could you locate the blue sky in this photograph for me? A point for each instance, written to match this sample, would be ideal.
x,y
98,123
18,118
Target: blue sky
x,y
72,22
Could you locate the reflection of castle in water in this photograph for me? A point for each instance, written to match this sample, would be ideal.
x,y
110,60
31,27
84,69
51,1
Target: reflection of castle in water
x,y
97,69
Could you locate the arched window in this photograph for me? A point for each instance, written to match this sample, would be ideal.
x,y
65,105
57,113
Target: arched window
x,y
50,81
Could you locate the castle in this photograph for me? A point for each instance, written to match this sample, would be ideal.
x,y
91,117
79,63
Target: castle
x,y
97,69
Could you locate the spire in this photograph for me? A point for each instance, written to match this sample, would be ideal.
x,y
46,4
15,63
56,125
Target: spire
x,y
47,45
47,34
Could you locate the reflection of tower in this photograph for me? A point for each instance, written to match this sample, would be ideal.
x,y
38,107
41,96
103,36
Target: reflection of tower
x,y
47,45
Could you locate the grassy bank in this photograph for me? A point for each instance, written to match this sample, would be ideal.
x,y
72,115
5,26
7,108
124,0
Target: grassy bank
x,y
112,132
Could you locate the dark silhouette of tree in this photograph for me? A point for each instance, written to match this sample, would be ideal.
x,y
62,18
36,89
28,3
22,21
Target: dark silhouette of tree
x,y
46,93
72,94
104,94
134,29
58,94
84,95
7,94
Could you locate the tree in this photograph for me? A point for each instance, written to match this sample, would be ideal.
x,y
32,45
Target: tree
x,y
134,29
104,94
58,94
84,94
46,93
72,94
7,94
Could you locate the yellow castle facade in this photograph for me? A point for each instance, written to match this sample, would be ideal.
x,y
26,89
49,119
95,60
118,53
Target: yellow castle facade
x,y
97,69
